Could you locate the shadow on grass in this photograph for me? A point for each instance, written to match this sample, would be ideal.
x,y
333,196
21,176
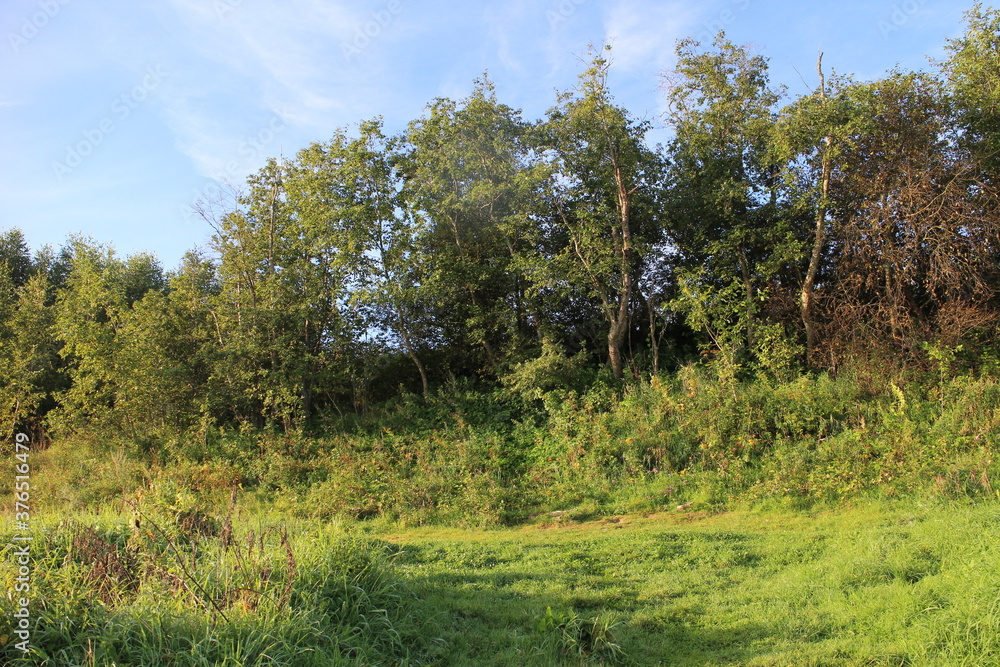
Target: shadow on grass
x,y
500,618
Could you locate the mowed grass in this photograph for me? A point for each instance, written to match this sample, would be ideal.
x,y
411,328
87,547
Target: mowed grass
x,y
902,584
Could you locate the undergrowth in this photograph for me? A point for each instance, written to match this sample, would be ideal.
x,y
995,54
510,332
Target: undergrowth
x,y
478,458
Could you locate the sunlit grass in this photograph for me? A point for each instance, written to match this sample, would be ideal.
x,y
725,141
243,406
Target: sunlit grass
x,y
894,584
817,527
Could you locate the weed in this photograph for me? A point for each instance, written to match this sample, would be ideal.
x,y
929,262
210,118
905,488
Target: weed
x,y
566,634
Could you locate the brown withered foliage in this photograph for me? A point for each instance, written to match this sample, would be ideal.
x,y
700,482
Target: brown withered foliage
x,y
917,231
110,569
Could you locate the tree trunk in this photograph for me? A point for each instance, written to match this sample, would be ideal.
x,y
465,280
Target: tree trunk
x,y
748,294
620,319
412,353
654,343
615,338
808,285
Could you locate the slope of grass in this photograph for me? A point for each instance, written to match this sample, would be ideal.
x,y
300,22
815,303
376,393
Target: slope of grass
x,y
479,458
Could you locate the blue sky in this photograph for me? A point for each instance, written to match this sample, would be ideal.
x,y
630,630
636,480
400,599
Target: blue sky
x,y
117,115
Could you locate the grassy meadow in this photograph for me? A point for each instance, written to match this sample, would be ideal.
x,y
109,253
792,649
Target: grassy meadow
x,y
682,520
475,388
900,583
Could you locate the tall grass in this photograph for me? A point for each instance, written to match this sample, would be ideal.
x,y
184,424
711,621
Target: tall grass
x,y
167,588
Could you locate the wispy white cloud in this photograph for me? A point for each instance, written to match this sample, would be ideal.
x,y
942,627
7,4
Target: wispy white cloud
x,y
249,65
643,32
506,54
513,28
643,35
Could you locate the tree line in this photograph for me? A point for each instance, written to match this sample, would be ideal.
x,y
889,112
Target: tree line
x,y
860,221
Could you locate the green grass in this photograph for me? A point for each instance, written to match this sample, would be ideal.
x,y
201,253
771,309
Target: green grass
x,y
270,591
900,583
879,585
827,522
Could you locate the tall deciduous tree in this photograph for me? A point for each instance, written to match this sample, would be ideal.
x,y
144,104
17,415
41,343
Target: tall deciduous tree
x,y
288,257
31,368
15,257
169,353
30,365
973,71
389,273
470,174
806,142
604,187
723,186
91,311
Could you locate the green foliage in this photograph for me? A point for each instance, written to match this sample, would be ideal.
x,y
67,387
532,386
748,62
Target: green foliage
x,y
971,69
738,344
731,237
472,179
603,193
856,224
285,321
31,373
552,370
15,258
91,311
468,457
